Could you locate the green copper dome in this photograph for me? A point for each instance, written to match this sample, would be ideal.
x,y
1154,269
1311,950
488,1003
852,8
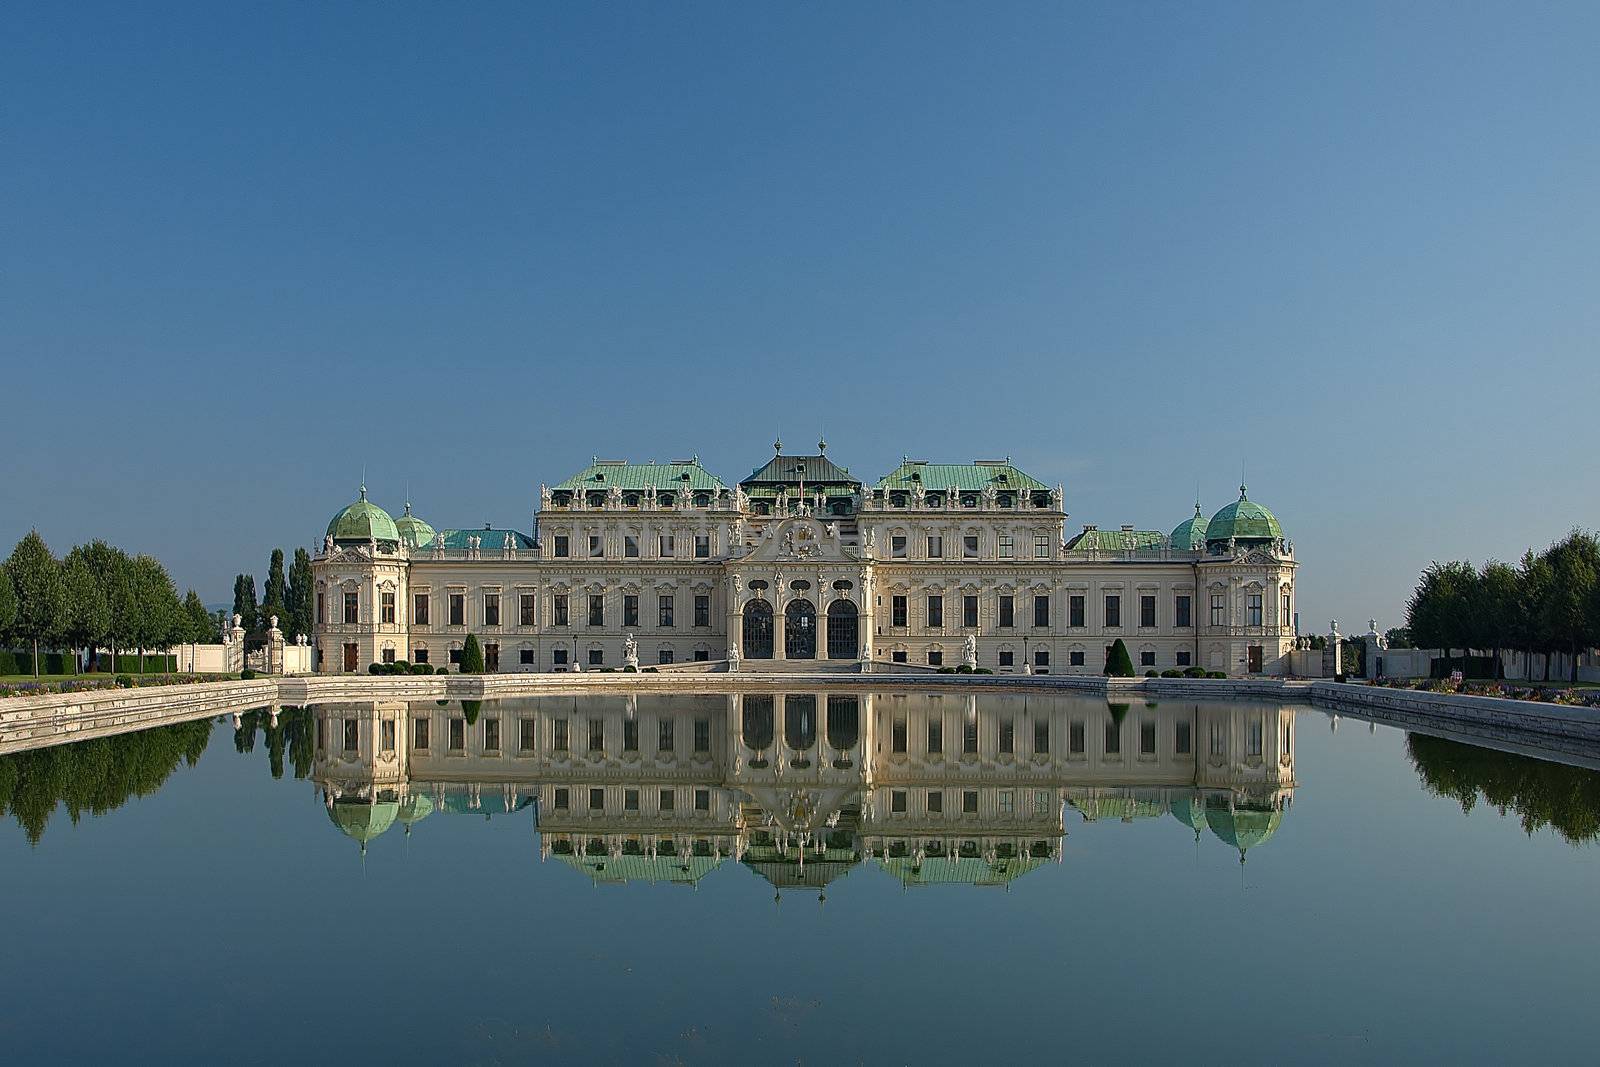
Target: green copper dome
x,y
363,821
1244,520
1241,827
413,531
1190,811
361,522
1190,535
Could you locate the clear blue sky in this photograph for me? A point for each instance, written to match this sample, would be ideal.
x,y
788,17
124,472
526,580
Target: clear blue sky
x,y
248,249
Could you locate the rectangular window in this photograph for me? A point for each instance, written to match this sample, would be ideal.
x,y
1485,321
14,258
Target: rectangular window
x,y
897,546
664,605
525,602
935,802
936,657
897,741
1183,658
969,802
1147,609
419,733
666,546
597,546
1075,658
702,655
525,656
898,611
1113,738
1218,739
597,799
969,546
630,546
558,657
1147,657
969,612
597,657
1041,546
630,735
419,609
1041,657
1007,547
458,733
458,609
665,655
351,607
702,546
558,732
563,546
702,800
1008,611
1075,737
527,734
1008,802
558,605
935,612
935,737
702,735
630,610
1219,608
667,800
702,610
1008,735
664,736
1252,609
491,734
630,800
1147,738
491,609
1113,609
935,546
1286,618
969,735
563,798
388,655
1182,612
1252,738
386,606
1007,658
897,801
1181,739
1041,611
419,655
1041,736
597,609
455,656
1075,611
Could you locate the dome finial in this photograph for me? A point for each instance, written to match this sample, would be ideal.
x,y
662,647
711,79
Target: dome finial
x,y
777,446
822,444
1241,490
363,489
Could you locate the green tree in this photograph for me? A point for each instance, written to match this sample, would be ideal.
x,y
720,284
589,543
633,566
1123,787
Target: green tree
x,y
275,600
1533,588
1118,663
1574,570
202,628
244,601
159,617
110,565
88,610
1439,611
471,656
1496,605
301,597
8,604
1399,637
41,596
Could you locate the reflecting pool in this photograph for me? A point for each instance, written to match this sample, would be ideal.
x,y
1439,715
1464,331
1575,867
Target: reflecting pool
x,y
876,877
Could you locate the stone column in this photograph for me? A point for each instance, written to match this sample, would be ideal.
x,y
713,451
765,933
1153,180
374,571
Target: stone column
x,y
274,647
236,646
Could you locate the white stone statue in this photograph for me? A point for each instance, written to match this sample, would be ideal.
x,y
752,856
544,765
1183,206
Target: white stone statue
x,y
630,652
733,656
988,497
544,497
969,653
614,497
739,499
327,545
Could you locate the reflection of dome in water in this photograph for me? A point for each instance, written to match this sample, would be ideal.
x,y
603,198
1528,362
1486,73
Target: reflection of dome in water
x,y
413,809
1242,826
362,821
1190,811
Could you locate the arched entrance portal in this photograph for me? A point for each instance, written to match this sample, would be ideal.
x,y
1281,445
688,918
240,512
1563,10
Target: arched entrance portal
x,y
800,630
844,635
757,640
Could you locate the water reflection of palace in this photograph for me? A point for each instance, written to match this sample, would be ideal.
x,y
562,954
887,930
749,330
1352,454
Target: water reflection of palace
x,y
802,787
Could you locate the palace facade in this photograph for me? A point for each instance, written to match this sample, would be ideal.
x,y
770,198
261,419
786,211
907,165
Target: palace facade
x,y
803,566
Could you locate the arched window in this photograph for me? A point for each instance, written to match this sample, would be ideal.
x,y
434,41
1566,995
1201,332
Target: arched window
x,y
844,721
757,724
800,721
800,630
843,629
757,630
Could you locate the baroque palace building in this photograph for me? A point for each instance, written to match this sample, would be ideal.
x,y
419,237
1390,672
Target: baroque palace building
x,y
802,565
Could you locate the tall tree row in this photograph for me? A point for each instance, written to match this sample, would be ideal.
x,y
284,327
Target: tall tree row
x,y
287,595
1547,604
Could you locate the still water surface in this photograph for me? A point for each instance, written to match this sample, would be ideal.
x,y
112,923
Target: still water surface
x,y
795,878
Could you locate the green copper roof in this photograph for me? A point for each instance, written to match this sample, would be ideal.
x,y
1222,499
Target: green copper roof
x,y
363,821
414,808
1190,534
1242,827
361,522
490,539
460,802
1096,804
958,870
1244,520
1115,540
413,531
1190,811
818,470
958,476
665,867
666,477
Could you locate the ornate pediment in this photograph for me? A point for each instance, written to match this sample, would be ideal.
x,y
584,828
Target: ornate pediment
x,y
348,554
801,539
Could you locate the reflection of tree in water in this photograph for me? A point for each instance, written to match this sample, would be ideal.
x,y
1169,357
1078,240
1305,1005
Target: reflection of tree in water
x,y
95,776
1542,793
294,736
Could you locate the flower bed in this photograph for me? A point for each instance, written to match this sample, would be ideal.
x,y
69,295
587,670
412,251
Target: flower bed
x,y
90,683
1579,698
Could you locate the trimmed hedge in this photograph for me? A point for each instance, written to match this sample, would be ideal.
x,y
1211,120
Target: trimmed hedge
x,y
49,663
